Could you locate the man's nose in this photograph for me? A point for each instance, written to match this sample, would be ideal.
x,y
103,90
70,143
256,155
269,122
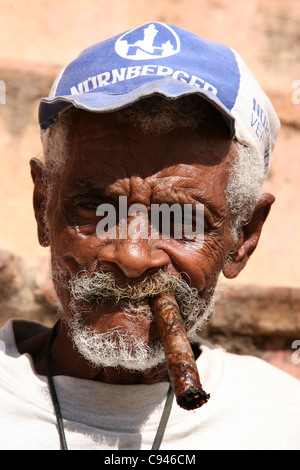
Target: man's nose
x,y
133,257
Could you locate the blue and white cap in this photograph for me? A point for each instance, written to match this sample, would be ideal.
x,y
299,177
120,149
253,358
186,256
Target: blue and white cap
x,y
157,58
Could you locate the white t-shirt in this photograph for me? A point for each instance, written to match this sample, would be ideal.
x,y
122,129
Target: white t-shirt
x,y
253,405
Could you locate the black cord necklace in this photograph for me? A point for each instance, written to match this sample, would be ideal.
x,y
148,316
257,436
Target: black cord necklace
x,y
60,425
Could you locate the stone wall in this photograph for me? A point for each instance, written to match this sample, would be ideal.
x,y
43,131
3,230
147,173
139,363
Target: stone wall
x,y
259,312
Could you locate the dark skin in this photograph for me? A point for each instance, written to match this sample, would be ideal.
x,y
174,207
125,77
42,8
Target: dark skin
x,y
108,160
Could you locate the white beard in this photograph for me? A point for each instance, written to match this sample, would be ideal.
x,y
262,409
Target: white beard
x,y
115,348
119,348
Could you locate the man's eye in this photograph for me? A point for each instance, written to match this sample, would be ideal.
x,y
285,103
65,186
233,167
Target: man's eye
x,y
84,209
181,222
88,206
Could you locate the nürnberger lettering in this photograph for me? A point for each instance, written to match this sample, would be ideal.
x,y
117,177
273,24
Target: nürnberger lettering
x,y
128,73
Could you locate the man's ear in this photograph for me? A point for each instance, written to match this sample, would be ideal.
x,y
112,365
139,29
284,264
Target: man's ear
x,y
39,199
249,236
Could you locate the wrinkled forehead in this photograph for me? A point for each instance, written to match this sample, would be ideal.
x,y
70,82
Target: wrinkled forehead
x,y
152,136
107,138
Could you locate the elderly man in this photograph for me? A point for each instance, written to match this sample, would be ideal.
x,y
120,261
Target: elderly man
x,y
152,119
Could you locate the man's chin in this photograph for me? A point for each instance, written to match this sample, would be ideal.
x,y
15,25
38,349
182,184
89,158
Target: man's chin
x,y
117,346
123,333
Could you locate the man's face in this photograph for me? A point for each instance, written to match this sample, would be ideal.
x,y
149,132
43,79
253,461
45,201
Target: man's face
x,y
109,159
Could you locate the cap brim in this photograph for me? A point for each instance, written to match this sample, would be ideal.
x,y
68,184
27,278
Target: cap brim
x,y
103,102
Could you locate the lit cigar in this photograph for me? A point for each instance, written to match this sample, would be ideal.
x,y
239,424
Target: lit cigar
x,y
181,364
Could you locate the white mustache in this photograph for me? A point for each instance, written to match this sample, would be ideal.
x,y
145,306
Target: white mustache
x,y
106,286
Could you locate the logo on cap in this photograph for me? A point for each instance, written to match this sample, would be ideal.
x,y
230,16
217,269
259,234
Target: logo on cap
x,y
152,41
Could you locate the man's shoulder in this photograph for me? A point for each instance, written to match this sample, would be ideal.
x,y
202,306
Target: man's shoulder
x,y
15,330
248,371
273,393
263,369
